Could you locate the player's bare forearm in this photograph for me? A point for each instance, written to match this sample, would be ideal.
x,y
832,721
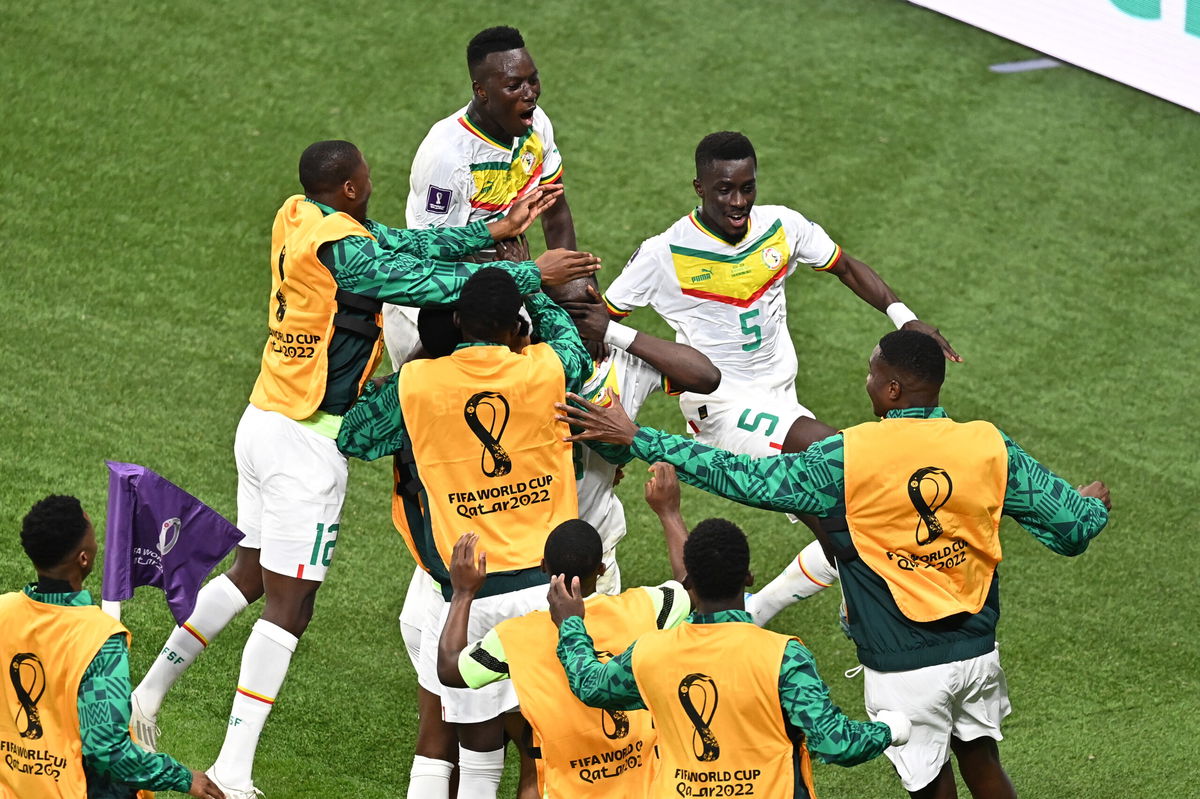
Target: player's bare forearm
x,y
662,495
558,226
865,282
454,640
687,368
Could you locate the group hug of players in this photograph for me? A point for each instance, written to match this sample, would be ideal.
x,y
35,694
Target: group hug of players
x,y
508,420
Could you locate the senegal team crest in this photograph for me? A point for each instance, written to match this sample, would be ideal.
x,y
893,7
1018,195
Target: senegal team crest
x,y
771,258
527,160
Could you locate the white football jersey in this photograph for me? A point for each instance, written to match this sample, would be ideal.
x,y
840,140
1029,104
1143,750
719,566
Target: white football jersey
x,y
632,380
461,174
727,300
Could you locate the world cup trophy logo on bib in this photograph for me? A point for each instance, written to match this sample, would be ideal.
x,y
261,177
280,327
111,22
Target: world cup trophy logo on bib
x,y
487,416
28,678
168,535
698,696
929,488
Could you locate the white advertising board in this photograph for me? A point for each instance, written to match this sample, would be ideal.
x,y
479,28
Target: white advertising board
x,y
1152,45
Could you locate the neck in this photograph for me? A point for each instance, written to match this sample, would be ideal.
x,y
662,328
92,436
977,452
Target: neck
x,y
336,203
708,223
52,582
708,607
486,124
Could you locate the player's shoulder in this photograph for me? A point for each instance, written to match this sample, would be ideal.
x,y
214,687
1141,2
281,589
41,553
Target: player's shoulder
x,y
769,214
446,139
541,120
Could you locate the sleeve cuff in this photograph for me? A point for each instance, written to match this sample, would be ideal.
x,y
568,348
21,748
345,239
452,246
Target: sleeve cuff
x,y
527,275
478,236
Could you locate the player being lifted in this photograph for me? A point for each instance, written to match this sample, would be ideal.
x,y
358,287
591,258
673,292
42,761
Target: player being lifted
x,y
716,276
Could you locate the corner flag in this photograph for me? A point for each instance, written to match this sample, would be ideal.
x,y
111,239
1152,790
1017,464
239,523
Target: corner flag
x,y
160,535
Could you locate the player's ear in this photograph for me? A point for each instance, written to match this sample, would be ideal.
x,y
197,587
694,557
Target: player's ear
x,y
749,579
699,189
601,569
479,92
543,567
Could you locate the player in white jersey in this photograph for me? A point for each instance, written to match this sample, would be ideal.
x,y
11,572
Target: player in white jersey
x,y
716,276
473,165
476,162
631,365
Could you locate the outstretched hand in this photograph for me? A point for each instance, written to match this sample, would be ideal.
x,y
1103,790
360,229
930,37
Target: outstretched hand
x,y
599,423
526,209
560,266
467,574
590,317
564,602
515,250
930,330
204,787
662,490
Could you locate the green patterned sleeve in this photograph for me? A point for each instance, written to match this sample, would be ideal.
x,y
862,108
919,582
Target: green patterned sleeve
x,y
104,710
605,685
1048,506
374,426
437,243
806,482
830,734
553,325
366,267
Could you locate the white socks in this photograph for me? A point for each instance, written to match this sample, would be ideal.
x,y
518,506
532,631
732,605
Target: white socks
x,y
479,773
429,778
809,573
217,603
264,665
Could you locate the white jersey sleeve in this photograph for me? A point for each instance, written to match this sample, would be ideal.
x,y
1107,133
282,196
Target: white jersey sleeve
x,y
810,243
440,186
640,280
552,164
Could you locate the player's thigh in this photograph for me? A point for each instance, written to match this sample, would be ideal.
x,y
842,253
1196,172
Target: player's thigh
x,y
412,615
302,496
251,455
926,697
747,423
982,701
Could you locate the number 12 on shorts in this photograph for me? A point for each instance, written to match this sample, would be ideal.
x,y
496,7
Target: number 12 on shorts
x,y
323,555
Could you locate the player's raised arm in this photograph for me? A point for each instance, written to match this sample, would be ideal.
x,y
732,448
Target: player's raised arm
x,y
873,290
685,367
467,575
662,495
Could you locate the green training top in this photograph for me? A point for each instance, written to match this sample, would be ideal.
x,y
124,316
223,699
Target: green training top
x,y
404,267
803,695
813,482
113,763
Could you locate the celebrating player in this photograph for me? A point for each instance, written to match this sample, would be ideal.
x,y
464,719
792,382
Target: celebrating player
x,y
718,686
580,751
911,506
482,433
716,276
631,365
331,270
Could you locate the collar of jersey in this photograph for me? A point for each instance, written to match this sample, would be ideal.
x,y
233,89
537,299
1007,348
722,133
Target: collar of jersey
x,y
936,412
720,616
465,121
706,230
71,598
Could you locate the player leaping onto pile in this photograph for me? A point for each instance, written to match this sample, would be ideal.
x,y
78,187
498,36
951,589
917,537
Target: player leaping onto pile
x,y
716,276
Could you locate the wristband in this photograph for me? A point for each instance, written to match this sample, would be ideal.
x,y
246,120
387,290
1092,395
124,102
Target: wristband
x,y
900,314
619,336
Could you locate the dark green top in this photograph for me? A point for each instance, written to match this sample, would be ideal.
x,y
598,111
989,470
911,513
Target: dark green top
x,y
404,267
115,766
803,695
813,482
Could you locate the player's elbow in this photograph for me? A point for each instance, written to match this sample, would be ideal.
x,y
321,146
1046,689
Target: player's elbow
x,y
447,670
702,378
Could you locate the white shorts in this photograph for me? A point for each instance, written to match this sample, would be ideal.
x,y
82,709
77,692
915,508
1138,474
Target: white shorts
x,y
422,590
470,705
966,699
399,332
609,582
742,420
291,486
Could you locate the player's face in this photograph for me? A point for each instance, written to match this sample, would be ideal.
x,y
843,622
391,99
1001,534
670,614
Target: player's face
x,y
727,190
507,91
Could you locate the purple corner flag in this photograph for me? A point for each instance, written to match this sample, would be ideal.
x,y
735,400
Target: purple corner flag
x,y
160,535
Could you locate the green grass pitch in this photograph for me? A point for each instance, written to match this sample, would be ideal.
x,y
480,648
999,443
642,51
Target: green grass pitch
x,y
1045,221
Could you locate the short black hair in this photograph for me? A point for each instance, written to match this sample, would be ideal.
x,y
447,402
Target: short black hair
x,y
916,353
326,165
499,39
437,331
489,305
724,145
717,558
52,530
574,549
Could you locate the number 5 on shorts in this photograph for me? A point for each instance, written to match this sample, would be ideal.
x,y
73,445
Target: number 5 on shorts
x,y
325,554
